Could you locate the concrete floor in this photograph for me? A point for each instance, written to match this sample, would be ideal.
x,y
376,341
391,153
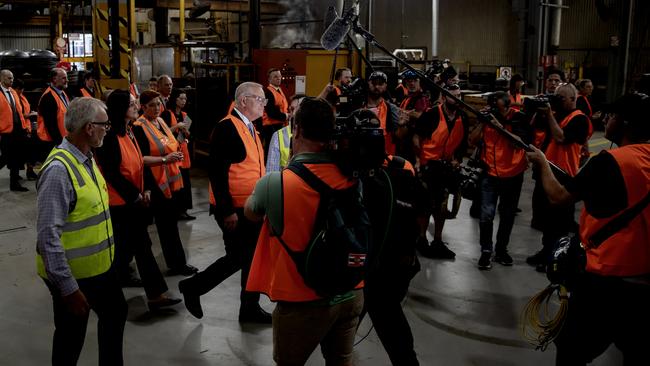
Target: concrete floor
x,y
459,315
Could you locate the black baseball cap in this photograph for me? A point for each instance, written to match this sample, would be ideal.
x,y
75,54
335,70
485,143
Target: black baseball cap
x,y
378,76
633,107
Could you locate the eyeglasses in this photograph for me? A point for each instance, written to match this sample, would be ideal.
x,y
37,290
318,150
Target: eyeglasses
x,y
106,125
261,100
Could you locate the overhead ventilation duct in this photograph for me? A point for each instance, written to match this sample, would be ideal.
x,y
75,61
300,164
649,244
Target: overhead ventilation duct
x,y
556,23
199,7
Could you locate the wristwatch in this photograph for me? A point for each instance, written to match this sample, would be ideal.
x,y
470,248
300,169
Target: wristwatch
x,y
164,160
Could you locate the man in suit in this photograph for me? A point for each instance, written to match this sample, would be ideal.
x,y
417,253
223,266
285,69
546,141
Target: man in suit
x,y
52,107
13,131
236,164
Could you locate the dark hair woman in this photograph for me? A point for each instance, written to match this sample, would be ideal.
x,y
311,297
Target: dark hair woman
x,y
122,165
162,159
179,123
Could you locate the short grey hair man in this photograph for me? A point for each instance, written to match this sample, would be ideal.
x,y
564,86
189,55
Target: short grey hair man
x,y
245,89
82,111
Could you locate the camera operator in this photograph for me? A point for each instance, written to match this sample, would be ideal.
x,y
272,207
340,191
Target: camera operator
x,y
609,303
386,112
440,141
393,205
560,133
411,108
505,165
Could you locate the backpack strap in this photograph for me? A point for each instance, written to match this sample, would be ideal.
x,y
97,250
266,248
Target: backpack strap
x,y
275,205
620,222
310,178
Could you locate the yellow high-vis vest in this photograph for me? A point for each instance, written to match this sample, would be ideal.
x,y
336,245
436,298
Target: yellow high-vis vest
x,y
87,235
284,142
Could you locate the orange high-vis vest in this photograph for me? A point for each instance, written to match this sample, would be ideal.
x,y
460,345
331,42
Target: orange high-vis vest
x,y
502,158
280,102
43,135
85,93
7,114
168,175
382,114
567,156
442,144
591,111
627,252
24,104
337,90
515,99
405,90
131,168
242,176
272,270
186,163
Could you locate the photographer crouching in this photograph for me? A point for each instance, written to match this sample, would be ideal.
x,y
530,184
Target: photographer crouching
x,y
505,165
560,132
609,303
440,142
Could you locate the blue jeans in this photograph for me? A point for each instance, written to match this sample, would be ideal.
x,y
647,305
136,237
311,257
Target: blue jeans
x,y
493,189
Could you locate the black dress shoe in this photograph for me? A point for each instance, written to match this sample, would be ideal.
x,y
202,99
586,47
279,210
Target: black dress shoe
x,y
164,302
186,270
186,217
192,300
17,188
255,315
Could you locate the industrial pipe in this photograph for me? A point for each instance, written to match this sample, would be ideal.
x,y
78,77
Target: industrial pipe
x,y
556,23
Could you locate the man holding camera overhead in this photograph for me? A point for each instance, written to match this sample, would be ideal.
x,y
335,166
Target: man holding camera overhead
x,y
560,131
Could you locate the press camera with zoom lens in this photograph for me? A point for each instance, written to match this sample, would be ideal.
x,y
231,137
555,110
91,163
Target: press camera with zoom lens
x,y
359,142
532,105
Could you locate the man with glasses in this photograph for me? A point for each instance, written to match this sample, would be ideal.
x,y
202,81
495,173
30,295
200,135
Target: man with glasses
x,y
561,137
75,240
236,163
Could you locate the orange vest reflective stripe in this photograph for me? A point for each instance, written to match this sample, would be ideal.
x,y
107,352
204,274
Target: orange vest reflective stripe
x,y
442,144
515,99
280,102
272,271
85,93
27,109
167,176
242,176
382,114
567,156
591,112
131,168
7,114
60,115
186,163
626,253
502,158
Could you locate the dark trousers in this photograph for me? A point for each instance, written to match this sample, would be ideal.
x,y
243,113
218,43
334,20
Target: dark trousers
x,y
493,189
240,247
555,220
166,217
132,240
183,198
105,297
13,154
602,311
383,293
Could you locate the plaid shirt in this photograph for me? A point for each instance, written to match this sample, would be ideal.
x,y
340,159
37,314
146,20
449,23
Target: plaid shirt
x,y
56,199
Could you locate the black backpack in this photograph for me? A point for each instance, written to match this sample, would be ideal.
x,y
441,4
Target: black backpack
x,y
333,262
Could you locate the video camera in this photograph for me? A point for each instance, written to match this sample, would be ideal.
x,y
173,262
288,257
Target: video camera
x,y
352,98
532,105
359,143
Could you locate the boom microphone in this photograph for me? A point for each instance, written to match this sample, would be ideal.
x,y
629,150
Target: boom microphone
x,y
335,33
330,16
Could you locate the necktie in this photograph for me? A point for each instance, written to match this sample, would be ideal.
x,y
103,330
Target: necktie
x,y
252,130
65,100
11,100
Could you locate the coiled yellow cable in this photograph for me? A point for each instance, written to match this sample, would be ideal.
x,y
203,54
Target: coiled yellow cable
x,y
537,325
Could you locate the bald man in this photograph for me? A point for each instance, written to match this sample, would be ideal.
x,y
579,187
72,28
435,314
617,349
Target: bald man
x,y
13,131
